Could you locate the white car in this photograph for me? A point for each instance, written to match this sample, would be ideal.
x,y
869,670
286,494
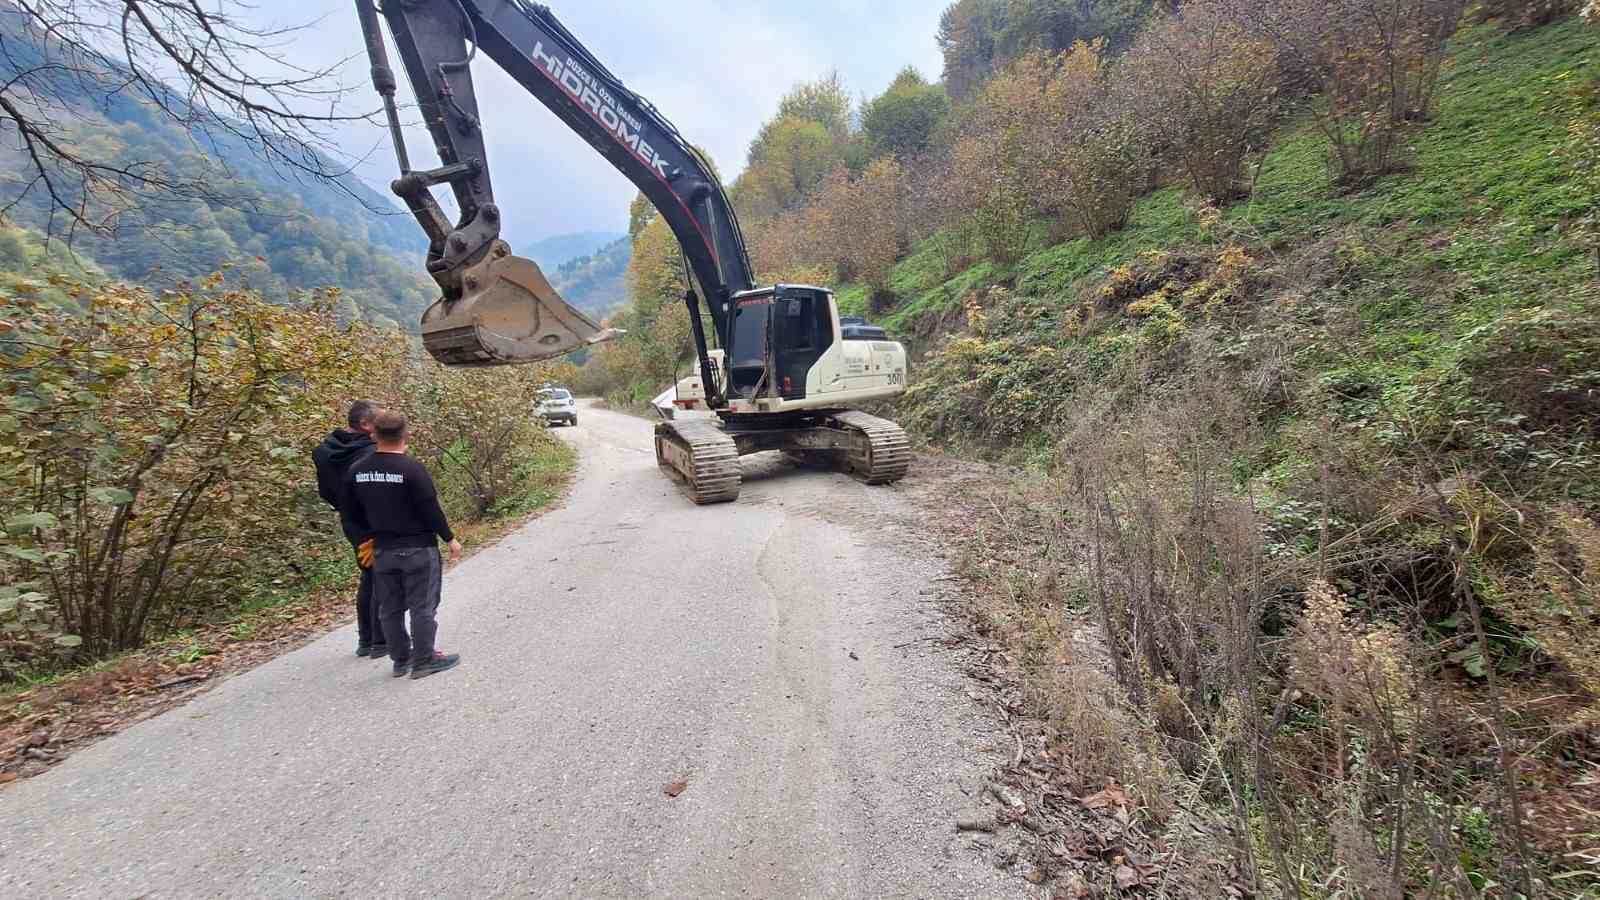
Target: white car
x,y
556,405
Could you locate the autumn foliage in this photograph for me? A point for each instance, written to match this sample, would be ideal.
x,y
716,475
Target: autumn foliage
x,y
1050,121
150,443
1061,128
155,449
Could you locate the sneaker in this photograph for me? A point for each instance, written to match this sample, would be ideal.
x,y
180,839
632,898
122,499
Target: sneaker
x,y
377,651
439,663
400,669
363,650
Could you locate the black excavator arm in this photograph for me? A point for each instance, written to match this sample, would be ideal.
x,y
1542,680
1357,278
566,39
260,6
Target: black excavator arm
x,y
497,308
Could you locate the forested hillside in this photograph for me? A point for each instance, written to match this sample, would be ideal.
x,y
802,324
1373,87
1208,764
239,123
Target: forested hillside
x,y
287,230
1287,316
553,252
594,283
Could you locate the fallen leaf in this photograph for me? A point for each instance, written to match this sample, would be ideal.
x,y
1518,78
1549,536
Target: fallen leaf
x,y
1127,878
7,777
675,788
1035,875
1113,795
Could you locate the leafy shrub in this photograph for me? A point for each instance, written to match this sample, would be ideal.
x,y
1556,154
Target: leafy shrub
x,y
991,176
154,450
1530,13
1003,379
795,150
1204,90
153,446
935,212
903,120
1373,63
865,235
477,430
796,154
1094,152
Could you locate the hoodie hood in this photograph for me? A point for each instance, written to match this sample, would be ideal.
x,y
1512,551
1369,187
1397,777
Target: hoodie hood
x,y
342,447
334,457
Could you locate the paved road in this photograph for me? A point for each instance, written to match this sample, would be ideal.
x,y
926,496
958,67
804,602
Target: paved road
x,y
622,642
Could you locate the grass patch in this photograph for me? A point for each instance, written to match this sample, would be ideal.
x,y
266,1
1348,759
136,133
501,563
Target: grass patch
x,y
922,269
543,476
1479,226
1487,153
1157,221
942,298
1391,389
851,299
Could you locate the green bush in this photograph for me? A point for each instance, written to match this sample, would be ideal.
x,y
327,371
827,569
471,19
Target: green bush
x,y
153,450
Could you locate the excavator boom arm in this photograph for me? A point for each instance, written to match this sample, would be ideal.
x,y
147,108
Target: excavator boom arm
x,y
438,39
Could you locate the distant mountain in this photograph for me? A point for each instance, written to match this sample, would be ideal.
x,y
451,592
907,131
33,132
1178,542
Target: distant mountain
x,y
552,252
596,283
284,230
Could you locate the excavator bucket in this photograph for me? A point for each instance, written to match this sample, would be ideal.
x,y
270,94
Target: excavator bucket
x,y
507,313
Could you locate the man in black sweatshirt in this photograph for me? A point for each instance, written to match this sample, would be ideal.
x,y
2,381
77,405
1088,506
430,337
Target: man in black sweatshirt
x,y
392,499
333,458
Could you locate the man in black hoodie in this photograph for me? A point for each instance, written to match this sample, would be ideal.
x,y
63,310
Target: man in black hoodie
x,y
392,498
338,452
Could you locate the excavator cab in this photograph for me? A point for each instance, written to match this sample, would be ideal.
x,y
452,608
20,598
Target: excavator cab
x,y
779,333
507,313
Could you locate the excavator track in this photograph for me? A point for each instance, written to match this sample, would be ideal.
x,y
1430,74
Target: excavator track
x,y
879,451
701,459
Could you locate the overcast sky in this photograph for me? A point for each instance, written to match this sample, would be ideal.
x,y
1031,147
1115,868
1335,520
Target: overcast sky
x,y
716,68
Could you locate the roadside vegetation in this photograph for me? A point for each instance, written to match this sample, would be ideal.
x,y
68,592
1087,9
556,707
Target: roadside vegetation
x,y
1280,319
155,456
1284,319
158,521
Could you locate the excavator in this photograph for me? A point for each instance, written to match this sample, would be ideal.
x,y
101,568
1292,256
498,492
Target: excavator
x,y
785,370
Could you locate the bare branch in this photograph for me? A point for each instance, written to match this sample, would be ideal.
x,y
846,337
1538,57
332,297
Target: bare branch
x,y
201,67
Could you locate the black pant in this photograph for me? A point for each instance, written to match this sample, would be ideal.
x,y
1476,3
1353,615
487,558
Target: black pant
x,y
368,632
407,579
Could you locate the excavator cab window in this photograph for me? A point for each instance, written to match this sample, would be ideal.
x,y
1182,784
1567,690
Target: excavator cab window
x,y
750,332
802,330
795,324
799,327
747,351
